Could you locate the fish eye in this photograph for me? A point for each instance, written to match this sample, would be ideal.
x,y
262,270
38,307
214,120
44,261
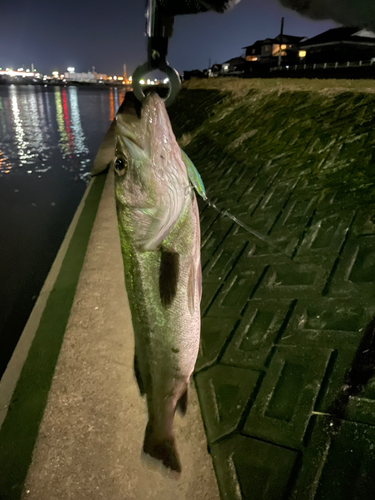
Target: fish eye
x,y
120,166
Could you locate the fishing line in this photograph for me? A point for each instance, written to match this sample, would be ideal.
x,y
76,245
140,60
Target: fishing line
x,y
248,229
197,183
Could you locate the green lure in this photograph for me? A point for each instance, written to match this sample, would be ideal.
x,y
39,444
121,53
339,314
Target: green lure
x,y
194,176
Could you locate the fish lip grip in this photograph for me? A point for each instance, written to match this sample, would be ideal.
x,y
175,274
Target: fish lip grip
x,y
174,81
159,28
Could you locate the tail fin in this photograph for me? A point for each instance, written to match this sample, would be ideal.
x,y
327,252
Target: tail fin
x,y
163,449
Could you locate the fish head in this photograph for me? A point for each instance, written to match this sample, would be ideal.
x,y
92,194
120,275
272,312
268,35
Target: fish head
x,y
152,186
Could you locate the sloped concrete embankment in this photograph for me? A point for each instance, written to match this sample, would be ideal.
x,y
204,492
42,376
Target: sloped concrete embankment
x,y
284,375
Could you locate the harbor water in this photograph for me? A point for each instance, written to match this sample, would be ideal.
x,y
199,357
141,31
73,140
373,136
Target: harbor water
x,y
49,137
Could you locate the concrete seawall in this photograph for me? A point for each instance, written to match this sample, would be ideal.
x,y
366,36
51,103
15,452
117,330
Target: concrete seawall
x,y
73,419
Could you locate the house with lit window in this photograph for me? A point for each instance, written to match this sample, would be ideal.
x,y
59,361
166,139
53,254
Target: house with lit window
x,y
233,67
270,50
253,52
338,45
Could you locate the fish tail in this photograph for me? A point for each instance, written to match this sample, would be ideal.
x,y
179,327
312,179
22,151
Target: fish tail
x,y
161,448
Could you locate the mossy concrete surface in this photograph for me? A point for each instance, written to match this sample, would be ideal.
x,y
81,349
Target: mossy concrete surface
x,y
287,359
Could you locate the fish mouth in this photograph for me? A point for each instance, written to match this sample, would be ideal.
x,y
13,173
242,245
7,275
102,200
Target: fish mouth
x,y
130,142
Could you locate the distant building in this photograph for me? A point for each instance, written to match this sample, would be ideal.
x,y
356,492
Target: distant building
x,y
339,45
195,73
253,52
233,67
80,77
269,51
100,76
215,69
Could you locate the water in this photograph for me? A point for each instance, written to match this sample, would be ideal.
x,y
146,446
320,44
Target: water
x,y
48,139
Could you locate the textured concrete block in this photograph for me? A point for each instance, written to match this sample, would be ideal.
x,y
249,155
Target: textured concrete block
x,y
338,464
214,334
283,406
255,335
224,392
249,469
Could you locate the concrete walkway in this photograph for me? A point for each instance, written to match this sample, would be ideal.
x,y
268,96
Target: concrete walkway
x,y
90,438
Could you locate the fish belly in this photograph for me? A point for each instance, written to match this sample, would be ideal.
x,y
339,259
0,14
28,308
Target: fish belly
x,y
166,337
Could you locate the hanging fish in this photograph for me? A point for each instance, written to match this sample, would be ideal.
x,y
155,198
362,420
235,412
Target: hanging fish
x,y
160,240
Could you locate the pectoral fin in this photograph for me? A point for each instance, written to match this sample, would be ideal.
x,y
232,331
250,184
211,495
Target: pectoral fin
x,y
191,289
182,403
138,376
194,285
193,175
168,277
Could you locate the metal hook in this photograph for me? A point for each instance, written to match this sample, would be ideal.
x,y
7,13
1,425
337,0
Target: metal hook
x,y
159,28
172,74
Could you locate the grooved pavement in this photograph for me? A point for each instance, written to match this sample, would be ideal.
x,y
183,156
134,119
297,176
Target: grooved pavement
x,y
284,374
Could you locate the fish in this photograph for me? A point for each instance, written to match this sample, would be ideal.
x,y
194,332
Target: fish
x,y
159,231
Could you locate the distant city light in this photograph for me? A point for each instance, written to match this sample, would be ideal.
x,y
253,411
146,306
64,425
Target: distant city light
x,y
71,69
302,53
20,69
142,82
55,74
130,78
115,77
166,80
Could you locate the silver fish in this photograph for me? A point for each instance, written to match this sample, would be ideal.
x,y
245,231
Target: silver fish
x,y
160,239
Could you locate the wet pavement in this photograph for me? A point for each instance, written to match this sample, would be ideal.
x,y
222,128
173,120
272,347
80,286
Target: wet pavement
x,y
284,375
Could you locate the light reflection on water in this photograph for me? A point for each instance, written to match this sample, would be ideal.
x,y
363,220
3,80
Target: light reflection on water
x,y
79,136
48,140
41,133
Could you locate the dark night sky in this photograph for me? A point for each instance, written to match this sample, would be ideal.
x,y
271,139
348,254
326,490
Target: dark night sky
x,y
84,33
